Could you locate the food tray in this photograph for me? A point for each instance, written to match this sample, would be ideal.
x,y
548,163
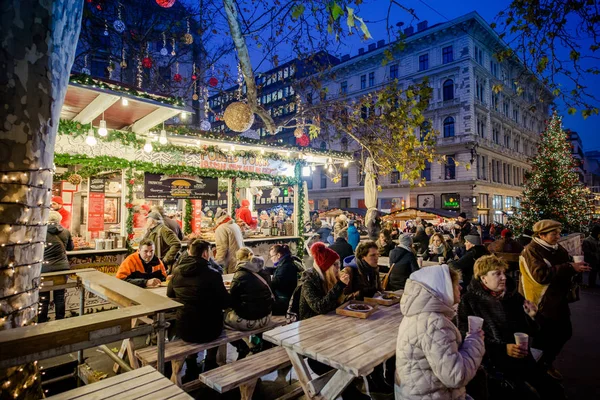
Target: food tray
x,y
343,309
378,298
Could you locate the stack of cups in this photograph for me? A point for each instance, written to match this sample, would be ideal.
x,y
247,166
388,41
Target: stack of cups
x,y
475,324
522,340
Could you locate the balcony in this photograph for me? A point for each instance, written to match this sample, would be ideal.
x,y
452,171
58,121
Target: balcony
x,y
435,105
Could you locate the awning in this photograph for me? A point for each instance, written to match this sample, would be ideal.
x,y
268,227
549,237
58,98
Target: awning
x,y
424,213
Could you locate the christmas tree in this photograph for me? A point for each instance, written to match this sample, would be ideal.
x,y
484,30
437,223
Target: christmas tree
x,y
552,188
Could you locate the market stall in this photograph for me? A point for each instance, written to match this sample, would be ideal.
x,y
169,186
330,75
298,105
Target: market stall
x,y
432,215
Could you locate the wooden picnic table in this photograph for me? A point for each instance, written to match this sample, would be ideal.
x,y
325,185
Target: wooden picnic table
x,y
352,346
143,383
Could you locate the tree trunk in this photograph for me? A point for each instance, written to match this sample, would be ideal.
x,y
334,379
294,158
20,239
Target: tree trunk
x,y
38,47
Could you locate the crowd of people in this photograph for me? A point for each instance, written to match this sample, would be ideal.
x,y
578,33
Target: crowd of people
x,y
439,354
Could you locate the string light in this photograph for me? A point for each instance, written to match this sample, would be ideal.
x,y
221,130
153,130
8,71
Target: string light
x,y
124,101
148,146
102,131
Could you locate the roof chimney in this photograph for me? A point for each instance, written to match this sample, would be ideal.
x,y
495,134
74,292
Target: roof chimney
x,y
361,51
380,43
372,46
421,26
409,31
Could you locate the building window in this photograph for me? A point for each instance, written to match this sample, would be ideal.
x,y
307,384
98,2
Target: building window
x,y
516,114
371,79
448,90
423,62
345,202
426,173
494,68
495,101
496,135
360,175
395,177
479,90
480,127
497,202
478,55
323,180
363,81
449,127
508,202
424,129
507,140
344,177
344,144
393,71
344,87
483,201
493,171
447,55
450,168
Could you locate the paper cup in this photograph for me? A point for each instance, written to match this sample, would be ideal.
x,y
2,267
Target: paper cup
x,y
578,259
475,324
522,340
420,262
441,260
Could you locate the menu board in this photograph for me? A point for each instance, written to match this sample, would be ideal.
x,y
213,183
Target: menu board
x,y
95,220
158,186
196,215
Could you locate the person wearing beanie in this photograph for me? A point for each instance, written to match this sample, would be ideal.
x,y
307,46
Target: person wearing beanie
x,y
166,243
546,274
465,264
341,245
57,205
403,262
506,244
228,240
169,222
463,226
243,213
58,242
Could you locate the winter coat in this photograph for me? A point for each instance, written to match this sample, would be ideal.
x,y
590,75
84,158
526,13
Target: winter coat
x,y
421,242
55,253
446,252
364,279
591,251
385,248
502,317
245,215
506,245
546,275
324,233
465,228
65,222
251,299
314,299
135,271
466,263
432,361
339,226
342,248
201,291
402,263
353,237
284,281
166,243
373,228
228,240
174,226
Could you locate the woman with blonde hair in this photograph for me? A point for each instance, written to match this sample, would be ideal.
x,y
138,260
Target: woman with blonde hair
x,y
438,247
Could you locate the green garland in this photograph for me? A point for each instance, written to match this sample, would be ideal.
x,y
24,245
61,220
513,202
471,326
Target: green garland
x,y
94,165
87,80
130,181
187,220
300,213
234,200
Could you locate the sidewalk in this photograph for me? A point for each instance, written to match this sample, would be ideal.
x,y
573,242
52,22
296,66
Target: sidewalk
x,y
579,362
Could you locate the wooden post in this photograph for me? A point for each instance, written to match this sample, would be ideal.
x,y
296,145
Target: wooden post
x,y
160,340
81,312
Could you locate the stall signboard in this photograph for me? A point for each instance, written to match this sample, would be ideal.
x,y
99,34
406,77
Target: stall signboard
x,y
246,164
158,186
95,220
451,201
196,216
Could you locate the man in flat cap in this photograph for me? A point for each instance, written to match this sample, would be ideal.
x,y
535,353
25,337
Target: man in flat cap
x,y
546,274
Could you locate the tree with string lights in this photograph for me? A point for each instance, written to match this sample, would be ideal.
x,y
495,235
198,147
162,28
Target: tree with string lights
x,y
552,188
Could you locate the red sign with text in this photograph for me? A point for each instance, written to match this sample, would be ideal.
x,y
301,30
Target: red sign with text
x,y
196,215
96,212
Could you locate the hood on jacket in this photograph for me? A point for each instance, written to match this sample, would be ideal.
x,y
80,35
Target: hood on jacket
x,y
55,229
222,220
479,250
350,261
428,290
255,264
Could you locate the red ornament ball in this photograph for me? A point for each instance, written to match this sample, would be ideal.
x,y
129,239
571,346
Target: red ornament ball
x,y
194,77
131,181
177,78
147,62
165,3
303,140
99,7
213,81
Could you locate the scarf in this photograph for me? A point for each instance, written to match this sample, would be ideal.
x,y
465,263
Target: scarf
x,y
496,295
545,244
226,220
407,248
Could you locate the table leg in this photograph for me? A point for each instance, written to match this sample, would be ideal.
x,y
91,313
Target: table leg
x,y
222,354
302,371
160,341
246,390
127,346
336,385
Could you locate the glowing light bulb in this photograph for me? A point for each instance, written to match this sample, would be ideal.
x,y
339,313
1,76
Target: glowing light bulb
x,y
163,137
346,163
91,139
148,146
183,116
102,131
124,101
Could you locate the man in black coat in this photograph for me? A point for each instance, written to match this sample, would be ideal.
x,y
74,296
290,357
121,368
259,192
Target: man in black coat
x,y
465,264
403,262
341,245
285,276
202,292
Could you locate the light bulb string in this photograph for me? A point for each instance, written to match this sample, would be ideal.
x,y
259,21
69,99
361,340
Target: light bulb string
x,y
27,185
24,308
28,243
20,293
28,170
28,265
25,205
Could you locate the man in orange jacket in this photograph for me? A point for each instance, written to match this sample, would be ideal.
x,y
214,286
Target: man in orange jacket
x,y
143,268
57,205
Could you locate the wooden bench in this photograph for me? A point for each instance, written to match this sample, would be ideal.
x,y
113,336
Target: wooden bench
x,y
243,373
143,383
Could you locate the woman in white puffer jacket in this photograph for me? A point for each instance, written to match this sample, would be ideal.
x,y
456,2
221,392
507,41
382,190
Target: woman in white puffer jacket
x,y
432,361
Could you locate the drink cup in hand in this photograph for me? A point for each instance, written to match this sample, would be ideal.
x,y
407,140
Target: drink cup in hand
x,y
522,340
578,259
420,262
441,260
475,324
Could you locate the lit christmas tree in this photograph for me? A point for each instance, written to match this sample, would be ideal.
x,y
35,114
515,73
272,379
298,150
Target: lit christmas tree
x,y
552,188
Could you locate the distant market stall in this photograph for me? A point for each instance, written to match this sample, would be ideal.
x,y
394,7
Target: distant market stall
x,y
434,215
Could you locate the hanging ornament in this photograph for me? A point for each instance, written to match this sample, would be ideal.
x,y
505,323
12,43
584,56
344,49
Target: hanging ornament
x,y
110,69
105,28
194,77
195,97
164,51
205,125
119,25
147,62
85,70
213,82
303,140
298,132
173,53
188,38
238,116
75,179
240,80
165,3
177,77
123,62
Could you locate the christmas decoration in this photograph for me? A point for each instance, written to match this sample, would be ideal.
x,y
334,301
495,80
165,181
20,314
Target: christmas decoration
x,y
147,62
238,116
188,38
123,62
75,179
173,52
195,97
164,51
298,133
165,3
213,81
205,125
177,78
119,25
85,71
194,77
303,140
552,188
105,28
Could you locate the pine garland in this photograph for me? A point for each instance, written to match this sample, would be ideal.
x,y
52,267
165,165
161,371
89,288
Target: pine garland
x,y
552,188
187,220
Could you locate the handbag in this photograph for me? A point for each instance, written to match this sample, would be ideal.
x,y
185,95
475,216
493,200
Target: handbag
x,y
573,293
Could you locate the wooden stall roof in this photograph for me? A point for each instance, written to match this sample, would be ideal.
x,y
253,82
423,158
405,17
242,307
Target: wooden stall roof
x,y
425,213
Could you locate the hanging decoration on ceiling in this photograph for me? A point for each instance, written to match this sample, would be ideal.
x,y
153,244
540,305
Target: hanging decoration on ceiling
x,y
195,84
177,77
173,52
147,61
75,179
85,70
165,3
300,122
213,82
238,115
164,51
105,28
303,140
110,69
123,61
188,38
119,25
205,124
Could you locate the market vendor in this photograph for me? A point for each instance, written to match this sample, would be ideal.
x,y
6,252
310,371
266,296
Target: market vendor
x,y
245,214
143,268
57,205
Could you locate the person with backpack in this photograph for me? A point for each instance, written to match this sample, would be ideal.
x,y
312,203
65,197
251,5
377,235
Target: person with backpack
x,y
285,276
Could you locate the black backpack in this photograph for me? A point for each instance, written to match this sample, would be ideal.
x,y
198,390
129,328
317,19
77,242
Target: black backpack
x,y
293,311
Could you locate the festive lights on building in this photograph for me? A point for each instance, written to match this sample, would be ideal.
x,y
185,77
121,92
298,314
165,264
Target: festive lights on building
x,y
102,131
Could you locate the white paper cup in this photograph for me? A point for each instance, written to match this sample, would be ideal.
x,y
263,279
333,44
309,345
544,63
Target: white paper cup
x,y
475,323
522,340
578,259
441,260
420,262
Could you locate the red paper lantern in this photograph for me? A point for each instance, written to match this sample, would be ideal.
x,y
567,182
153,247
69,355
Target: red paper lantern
x,y
303,140
194,77
213,81
165,3
177,78
147,62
